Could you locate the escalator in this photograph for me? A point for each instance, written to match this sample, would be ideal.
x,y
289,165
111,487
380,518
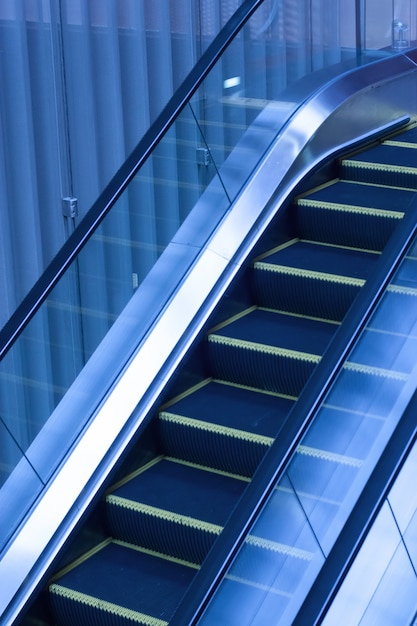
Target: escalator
x,y
163,516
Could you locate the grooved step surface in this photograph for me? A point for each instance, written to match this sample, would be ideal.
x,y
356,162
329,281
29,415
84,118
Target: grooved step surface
x,y
122,583
272,332
313,279
224,426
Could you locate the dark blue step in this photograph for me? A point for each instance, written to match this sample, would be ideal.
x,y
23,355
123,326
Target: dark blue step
x,y
223,426
351,214
269,350
385,164
312,279
173,508
120,585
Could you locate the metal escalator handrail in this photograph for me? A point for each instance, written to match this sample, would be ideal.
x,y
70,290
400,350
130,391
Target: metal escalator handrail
x,y
276,461
101,207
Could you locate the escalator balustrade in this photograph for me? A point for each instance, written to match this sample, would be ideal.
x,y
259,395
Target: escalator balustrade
x,y
164,518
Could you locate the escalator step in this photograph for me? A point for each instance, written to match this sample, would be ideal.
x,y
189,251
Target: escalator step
x,y
120,585
223,426
384,164
269,349
404,138
311,279
351,214
173,508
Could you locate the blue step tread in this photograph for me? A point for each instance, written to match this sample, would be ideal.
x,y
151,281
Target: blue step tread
x,y
224,426
277,330
343,194
173,508
120,584
310,278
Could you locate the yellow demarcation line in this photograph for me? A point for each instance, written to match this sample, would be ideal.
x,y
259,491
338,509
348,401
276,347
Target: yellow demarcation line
x,y
264,349
309,274
282,246
218,429
135,473
163,514
158,555
400,144
107,607
351,208
211,470
266,392
381,167
234,318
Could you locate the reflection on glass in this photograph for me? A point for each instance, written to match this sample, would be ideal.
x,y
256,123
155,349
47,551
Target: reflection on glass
x,y
330,468
280,555
381,585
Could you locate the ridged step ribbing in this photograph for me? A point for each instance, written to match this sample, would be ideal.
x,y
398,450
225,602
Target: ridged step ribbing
x,y
120,585
268,349
311,278
351,214
168,507
221,425
385,164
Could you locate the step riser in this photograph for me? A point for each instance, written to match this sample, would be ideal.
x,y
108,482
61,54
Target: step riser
x,y
341,228
378,175
316,298
286,375
159,535
225,453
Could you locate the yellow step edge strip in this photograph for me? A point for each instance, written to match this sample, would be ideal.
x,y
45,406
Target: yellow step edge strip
x,y
327,244
226,383
107,607
135,473
280,548
264,349
301,316
375,371
309,274
211,470
380,167
234,318
265,392
163,514
217,429
84,557
158,555
400,144
282,246
333,457
351,208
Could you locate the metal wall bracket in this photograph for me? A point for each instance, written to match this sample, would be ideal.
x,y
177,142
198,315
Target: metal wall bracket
x,y
203,156
70,207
